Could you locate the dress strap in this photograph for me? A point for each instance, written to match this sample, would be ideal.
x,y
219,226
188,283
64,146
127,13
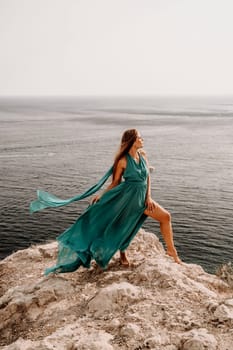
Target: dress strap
x,y
46,199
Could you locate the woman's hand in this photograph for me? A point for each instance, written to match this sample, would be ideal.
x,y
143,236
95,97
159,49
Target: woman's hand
x,y
95,199
150,204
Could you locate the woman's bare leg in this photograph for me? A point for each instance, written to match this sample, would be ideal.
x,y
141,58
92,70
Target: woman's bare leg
x,y
123,259
164,217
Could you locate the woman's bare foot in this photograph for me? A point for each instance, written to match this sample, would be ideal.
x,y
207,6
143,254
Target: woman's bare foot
x,y
97,268
174,255
123,259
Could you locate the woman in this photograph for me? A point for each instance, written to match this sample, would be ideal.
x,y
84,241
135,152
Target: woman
x,y
113,219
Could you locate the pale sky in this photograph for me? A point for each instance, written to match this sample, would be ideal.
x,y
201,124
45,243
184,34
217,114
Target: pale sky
x,y
116,47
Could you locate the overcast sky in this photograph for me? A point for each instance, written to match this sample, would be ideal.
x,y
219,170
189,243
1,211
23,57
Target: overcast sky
x,y
116,47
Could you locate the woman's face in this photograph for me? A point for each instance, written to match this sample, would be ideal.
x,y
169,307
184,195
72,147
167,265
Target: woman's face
x,y
139,141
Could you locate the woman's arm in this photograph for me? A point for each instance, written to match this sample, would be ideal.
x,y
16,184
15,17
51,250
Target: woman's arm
x,y
148,192
150,204
121,166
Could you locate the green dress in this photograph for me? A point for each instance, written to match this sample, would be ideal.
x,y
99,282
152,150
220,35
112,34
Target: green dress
x,y
104,227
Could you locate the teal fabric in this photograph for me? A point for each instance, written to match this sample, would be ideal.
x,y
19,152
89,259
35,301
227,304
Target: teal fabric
x,y
106,226
46,200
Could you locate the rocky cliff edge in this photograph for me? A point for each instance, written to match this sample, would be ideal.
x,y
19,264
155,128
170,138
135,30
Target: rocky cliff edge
x,y
153,304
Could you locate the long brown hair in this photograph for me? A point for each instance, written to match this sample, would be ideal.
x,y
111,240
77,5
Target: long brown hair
x,y
127,141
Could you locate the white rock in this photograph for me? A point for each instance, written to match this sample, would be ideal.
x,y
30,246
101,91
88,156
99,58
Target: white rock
x,y
224,313
229,302
22,344
95,341
115,323
154,300
160,339
131,330
198,339
170,347
113,298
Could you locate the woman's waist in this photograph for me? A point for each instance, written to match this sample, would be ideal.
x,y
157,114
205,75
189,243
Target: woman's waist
x,y
136,182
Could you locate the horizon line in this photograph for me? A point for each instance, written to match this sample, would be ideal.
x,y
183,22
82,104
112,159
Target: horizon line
x,y
114,95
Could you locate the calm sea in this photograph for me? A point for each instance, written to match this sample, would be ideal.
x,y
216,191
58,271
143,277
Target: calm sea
x,y
64,145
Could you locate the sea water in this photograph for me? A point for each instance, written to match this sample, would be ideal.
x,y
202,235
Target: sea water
x,y
65,144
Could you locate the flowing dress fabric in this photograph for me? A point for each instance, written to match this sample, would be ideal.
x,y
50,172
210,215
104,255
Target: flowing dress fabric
x,y
106,226
46,199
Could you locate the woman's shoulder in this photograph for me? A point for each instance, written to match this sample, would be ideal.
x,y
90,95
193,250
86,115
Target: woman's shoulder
x,y
122,162
142,153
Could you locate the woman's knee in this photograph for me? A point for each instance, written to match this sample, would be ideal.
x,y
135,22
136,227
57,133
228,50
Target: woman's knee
x,y
166,217
160,214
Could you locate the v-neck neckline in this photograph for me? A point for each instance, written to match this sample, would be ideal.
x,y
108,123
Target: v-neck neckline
x,y
139,159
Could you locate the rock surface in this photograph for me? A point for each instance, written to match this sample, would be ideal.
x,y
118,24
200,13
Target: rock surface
x,y
153,304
